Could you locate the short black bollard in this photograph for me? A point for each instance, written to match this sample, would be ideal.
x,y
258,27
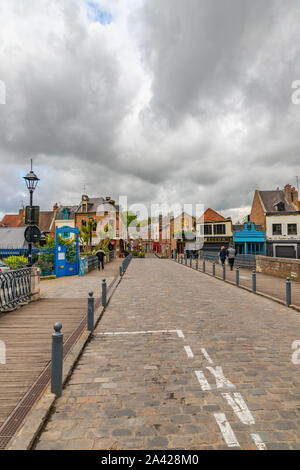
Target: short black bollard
x,y
224,273
214,269
191,262
57,360
186,260
288,292
91,311
254,280
204,266
121,272
237,277
104,293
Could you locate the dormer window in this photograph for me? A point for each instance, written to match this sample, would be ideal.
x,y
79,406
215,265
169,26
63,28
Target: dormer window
x,y
280,206
65,214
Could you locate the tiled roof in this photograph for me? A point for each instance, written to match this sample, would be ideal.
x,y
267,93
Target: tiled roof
x,y
95,204
71,211
11,220
45,221
211,216
12,237
271,198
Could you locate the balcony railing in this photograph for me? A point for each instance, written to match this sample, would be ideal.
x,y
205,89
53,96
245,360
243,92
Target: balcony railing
x,y
15,288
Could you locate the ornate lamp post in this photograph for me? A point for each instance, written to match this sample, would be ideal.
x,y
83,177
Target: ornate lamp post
x,y
31,181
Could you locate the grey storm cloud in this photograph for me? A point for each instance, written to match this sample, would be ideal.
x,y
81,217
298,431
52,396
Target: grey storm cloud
x,y
173,100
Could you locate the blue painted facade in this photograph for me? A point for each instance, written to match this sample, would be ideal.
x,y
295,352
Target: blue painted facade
x,y
66,257
250,241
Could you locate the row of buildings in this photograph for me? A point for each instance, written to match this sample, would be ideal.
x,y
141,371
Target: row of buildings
x,y
101,215
272,228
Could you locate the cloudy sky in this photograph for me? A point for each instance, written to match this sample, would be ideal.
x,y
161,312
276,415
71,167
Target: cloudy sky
x,y
161,100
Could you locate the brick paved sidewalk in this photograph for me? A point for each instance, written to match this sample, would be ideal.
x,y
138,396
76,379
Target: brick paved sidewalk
x,y
227,379
79,286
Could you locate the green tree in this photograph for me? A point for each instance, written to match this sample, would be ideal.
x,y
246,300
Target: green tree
x,y
85,235
129,217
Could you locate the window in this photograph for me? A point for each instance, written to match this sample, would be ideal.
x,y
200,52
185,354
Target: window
x,y
207,230
292,229
277,229
219,229
65,214
280,206
83,223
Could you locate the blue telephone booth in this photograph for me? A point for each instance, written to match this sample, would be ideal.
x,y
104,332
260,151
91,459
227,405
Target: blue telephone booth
x,y
66,261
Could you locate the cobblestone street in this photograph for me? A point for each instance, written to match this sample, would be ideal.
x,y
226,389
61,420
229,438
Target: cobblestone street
x,y
182,361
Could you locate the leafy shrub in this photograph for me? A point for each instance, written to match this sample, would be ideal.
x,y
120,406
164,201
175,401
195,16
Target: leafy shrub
x,y
16,262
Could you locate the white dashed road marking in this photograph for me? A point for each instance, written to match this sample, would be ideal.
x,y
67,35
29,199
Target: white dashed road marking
x,y
202,380
221,380
240,408
226,430
258,441
189,352
207,356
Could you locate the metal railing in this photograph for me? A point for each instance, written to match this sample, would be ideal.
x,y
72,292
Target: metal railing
x,y
254,281
17,258
92,262
125,264
15,288
242,261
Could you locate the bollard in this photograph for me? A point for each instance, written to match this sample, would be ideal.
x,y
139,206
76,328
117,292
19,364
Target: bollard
x,y
121,273
104,293
288,292
237,277
186,260
57,360
191,262
91,311
214,269
254,280
204,266
197,264
224,273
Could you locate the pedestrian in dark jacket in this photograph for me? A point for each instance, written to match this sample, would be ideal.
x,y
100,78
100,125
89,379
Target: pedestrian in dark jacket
x,y
231,253
100,255
223,255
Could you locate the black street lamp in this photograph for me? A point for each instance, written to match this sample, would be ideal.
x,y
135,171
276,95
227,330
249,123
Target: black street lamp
x,y
31,181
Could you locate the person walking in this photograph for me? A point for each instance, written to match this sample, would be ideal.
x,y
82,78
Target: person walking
x,y
231,253
223,255
100,255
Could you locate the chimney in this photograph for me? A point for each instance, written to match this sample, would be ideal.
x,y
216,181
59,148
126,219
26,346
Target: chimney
x,y
295,198
55,207
22,214
288,193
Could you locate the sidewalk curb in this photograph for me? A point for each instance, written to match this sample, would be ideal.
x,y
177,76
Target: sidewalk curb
x,y
261,294
36,420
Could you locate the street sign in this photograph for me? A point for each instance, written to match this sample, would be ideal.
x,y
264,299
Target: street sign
x,y
32,234
32,215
